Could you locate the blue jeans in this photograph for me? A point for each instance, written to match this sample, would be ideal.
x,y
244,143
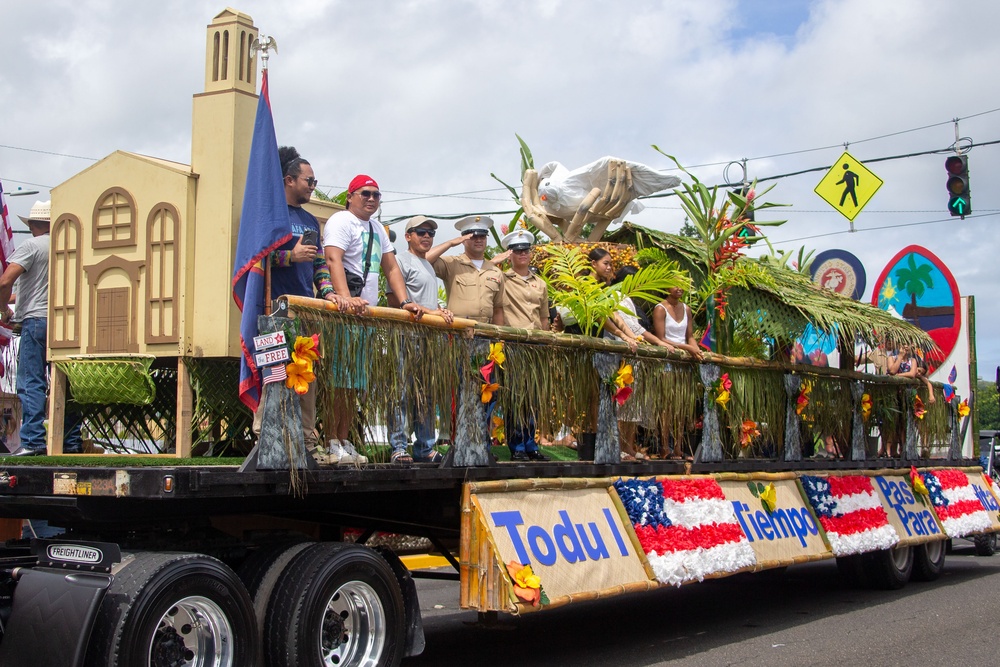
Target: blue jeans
x,y
406,418
521,438
32,385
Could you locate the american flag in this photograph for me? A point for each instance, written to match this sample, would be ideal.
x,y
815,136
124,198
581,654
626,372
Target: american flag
x,y
276,373
6,235
851,513
686,527
956,503
6,250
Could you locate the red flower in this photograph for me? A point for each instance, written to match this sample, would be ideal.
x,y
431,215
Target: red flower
x,y
622,395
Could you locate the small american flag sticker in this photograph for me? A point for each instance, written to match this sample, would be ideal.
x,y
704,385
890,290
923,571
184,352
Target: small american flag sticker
x,y
274,373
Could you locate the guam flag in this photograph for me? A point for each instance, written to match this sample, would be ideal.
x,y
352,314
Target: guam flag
x,y
264,227
851,514
956,503
686,527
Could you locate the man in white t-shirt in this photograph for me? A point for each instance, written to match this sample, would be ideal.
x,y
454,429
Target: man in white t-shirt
x,y
356,249
411,415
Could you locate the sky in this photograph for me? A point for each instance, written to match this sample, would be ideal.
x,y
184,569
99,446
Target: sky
x,y
426,96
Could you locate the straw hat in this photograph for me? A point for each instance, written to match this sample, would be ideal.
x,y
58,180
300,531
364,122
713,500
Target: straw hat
x,y
41,211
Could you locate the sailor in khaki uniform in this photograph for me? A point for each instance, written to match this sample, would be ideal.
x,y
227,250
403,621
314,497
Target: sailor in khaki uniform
x,y
474,284
526,297
526,306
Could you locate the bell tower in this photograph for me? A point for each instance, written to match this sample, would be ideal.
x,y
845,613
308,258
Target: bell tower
x,y
230,63
221,133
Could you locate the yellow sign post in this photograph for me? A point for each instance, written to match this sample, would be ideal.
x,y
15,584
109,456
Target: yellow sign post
x,y
848,186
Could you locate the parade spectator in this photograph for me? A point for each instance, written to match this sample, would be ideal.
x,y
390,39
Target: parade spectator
x,y
356,249
410,414
474,284
29,267
525,306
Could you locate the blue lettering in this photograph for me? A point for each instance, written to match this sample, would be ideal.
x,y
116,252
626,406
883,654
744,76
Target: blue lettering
x,y
537,534
739,508
899,497
986,498
619,540
764,523
800,523
780,519
563,533
511,520
598,550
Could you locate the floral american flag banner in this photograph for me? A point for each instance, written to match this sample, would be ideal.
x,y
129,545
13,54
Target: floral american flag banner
x,y
850,512
956,503
686,527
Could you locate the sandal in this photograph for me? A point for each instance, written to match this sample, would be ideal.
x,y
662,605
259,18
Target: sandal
x,y
400,456
433,457
627,457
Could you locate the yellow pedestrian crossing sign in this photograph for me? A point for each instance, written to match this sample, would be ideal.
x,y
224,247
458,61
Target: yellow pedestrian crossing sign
x,y
848,186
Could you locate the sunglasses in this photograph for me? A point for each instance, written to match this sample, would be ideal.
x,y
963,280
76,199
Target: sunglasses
x,y
424,232
520,251
311,182
370,194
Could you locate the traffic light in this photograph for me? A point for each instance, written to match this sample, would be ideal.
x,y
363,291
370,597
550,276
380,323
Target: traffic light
x,y
959,200
748,229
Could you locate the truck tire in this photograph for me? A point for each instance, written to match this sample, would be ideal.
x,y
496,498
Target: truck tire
x,y
335,604
986,545
165,609
889,569
928,560
260,572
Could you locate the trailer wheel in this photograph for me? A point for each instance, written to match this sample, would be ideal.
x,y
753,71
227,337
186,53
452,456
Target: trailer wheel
x,y
928,560
166,609
335,604
986,545
890,569
260,572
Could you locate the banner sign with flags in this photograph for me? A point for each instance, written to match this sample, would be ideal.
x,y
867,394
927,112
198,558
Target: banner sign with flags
x,y
264,227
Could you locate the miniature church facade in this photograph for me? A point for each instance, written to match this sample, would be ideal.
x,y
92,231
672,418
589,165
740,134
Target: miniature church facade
x,y
142,248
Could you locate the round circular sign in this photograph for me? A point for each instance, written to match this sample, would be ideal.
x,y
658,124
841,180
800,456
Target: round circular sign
x,y
839,271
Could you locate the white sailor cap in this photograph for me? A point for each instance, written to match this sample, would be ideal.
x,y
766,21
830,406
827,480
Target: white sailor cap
x,y
474,224
519,239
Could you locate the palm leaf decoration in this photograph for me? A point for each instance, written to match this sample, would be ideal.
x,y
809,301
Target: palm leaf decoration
x,y
573,286
774,301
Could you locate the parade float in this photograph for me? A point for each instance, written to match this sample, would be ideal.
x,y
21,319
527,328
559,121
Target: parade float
x,y
243,561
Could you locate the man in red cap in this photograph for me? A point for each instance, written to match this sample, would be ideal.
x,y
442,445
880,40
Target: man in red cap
x,y
356,249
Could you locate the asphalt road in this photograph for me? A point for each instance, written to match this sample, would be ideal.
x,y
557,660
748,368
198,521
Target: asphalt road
x,y
805,615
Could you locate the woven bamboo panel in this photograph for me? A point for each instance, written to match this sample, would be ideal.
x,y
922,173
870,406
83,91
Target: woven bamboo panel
x,y
110,380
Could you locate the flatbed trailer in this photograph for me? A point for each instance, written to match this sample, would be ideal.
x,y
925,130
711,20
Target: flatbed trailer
x,y
245,565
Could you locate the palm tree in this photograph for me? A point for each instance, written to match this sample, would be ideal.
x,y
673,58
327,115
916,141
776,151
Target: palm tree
x,y
912,278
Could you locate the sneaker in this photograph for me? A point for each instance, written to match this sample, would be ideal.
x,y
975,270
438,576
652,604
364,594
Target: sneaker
x,y
352,453
319,454
336,453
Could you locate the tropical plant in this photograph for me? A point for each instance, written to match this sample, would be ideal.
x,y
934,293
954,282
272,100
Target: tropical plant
x,y
723,232
572,285
912,279
801,262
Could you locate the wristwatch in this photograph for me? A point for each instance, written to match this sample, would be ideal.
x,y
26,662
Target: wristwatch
x,y
404,303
